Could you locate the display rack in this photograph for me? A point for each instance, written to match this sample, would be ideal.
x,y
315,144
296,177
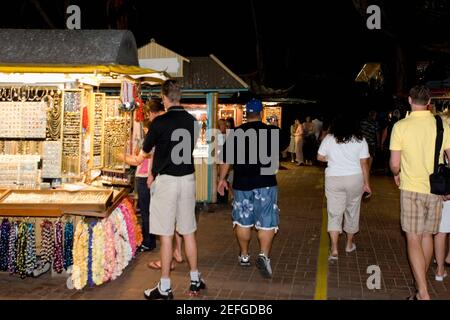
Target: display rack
x,y
72,133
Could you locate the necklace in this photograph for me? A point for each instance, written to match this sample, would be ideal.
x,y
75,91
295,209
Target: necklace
x,y
58,253
12,248
68,245
30,254
21,250
4,244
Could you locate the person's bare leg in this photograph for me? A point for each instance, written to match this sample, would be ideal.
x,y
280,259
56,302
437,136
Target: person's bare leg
x,y
190,246
265,238
334,236
166,256
427,246
349,245
439,245
418,264
177,252
447,258
243,237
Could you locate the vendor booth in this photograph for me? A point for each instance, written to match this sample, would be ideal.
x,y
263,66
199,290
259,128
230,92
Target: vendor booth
x,y
64,193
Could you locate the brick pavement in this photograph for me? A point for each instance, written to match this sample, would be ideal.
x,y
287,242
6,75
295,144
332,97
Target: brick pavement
x,y
294,256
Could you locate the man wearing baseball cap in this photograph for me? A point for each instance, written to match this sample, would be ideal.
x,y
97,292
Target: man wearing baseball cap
x,y
249,149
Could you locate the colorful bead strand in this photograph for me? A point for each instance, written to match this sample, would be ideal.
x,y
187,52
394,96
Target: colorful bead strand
x,y
30,255
4,244
58,253
68,245
12,249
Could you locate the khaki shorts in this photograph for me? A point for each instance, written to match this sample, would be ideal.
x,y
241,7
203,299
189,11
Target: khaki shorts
x,y
420,213
172,205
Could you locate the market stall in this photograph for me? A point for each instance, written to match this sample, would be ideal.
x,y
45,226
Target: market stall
x,y
64,192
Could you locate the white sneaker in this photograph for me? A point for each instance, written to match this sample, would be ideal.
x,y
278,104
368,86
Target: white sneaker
x,y
244,260
263,264
440,278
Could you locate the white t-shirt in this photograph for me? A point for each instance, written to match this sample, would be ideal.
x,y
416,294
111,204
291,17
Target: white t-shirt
x,y
343,158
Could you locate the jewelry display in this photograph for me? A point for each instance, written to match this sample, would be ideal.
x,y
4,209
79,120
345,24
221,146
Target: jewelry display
x,y
54,117
19,171
24,120
71,148
51,159
97,147
58,196
117,132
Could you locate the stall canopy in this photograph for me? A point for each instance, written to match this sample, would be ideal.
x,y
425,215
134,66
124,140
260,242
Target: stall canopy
x,y
71,51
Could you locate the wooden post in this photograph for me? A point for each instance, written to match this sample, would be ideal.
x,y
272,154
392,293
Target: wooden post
x,y
212,101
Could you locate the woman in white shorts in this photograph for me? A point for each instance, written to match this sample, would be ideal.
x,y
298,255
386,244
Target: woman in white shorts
x,y
439,243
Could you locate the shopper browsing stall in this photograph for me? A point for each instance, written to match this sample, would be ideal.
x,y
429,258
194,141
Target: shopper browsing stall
x,y
173,190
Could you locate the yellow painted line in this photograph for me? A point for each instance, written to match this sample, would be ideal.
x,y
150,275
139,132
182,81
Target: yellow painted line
x,y
322,264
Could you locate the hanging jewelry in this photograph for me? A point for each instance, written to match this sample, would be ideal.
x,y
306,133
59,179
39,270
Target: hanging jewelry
x,y
12,250
30,256
21,250
4,244
89,279
47,241
58,253
68,245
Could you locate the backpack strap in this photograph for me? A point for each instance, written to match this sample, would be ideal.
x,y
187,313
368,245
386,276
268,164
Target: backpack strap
x,y
439,138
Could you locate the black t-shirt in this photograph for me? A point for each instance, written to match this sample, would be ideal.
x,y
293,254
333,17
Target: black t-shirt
x,y
256,170
176,124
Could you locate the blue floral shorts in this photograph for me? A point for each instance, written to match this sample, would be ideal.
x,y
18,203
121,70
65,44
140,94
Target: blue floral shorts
x,y
257,208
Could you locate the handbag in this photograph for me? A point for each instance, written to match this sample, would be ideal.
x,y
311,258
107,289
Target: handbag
x,y
440,178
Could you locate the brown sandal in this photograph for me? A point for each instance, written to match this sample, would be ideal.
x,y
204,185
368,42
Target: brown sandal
x,y
156,264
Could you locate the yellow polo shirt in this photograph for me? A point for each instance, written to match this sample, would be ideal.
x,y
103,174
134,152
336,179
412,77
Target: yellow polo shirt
x,y
415,137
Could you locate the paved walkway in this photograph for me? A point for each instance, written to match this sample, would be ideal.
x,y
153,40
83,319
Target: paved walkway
x,y
298,271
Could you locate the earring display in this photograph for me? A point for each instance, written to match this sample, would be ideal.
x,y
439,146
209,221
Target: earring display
x,y
51,159
71,146
19,171
117,131
97,118
23,120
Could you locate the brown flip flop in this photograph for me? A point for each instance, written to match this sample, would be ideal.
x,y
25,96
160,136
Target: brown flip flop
x,y
156,264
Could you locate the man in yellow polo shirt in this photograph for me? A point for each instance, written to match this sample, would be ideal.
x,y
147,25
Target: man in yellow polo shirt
x,y
412,161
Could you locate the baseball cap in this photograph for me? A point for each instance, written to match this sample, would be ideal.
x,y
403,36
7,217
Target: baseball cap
x,y
254,106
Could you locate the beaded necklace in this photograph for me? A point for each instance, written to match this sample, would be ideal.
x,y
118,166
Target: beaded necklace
x,y
68,245
21,250
12,249
4,244
58,262
90,280
47,242
30,255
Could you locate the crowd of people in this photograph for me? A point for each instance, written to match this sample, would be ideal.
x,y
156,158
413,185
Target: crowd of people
x,y
349,147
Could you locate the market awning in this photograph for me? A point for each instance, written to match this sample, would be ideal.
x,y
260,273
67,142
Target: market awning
x,y
98,69
102,52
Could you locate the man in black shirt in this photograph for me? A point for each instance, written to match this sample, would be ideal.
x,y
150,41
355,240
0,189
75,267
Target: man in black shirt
x,y
253,149
173,137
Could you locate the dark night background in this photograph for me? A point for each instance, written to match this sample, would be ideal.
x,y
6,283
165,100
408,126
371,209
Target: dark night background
x,y
315,47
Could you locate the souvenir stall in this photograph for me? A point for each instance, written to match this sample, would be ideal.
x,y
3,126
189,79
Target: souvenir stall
x,y
64,204
272,111
234,111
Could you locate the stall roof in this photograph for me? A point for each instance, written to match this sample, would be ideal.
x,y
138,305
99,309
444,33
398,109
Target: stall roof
x,y
67,51
208,73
